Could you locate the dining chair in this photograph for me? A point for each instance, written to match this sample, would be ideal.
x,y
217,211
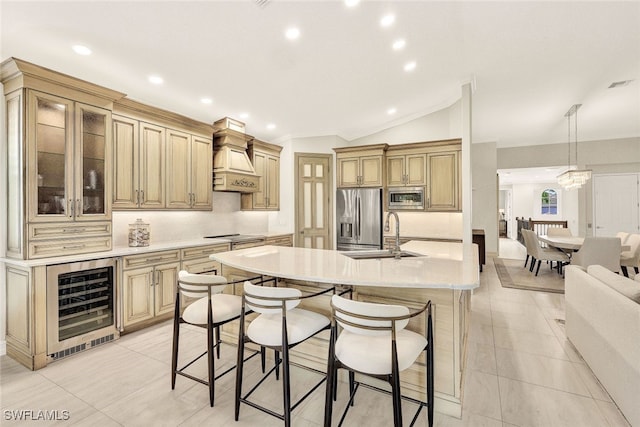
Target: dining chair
x,y
604,251
210,309
631,258
373,341
528,244
280,325
623,235
558,232
546,254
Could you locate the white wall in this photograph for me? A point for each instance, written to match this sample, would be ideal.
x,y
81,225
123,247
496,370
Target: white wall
x,y
485,193
527,204
603,156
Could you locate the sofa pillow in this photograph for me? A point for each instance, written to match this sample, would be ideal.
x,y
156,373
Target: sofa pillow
x,y
626,286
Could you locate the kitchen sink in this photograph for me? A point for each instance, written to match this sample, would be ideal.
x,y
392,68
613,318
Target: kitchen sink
x,y
378,254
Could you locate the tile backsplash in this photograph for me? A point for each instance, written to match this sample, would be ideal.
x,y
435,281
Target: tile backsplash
x,y
166,226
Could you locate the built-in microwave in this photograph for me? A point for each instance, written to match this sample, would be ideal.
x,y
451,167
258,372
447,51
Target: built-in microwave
x,y
407,198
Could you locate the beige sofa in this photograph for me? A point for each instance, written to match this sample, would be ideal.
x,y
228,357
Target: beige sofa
x,y
603,323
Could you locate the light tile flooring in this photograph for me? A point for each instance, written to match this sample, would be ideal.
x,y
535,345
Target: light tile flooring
x,y
522,371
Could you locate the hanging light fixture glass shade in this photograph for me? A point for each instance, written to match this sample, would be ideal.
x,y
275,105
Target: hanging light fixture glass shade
x,y
573,178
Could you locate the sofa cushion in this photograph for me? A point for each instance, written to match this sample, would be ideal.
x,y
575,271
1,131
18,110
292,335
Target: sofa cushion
x,y
627,287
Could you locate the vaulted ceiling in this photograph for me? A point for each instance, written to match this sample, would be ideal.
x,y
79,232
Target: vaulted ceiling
x,y
528,61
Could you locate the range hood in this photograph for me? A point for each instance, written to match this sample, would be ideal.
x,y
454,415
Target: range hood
x,y
232,169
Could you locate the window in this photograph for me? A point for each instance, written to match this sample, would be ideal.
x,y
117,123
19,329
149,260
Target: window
x,y
549,202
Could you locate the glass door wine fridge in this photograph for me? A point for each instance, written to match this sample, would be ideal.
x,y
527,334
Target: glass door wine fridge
x,y
80,306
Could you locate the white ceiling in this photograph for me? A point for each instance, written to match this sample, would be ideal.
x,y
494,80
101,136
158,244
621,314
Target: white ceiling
x,y
530,61
531,175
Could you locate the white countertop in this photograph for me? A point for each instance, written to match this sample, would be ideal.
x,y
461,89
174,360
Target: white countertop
x,y
124,251
445,265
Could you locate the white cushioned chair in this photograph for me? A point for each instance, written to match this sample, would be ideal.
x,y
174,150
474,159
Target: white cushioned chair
x,y
373,341
604,251
631,258
545,254
210,310
529,246
623,236
280,325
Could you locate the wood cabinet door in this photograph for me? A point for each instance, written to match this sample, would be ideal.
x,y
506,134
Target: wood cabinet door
x,y
125,163
416,169
92,163
395,170
137,295
178,170
371,171
348,172
260,166
201,172
151,166
442,188
166,276
50,139
273,182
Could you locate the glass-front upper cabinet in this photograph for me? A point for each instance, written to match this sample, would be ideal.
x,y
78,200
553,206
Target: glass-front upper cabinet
x,y
69,142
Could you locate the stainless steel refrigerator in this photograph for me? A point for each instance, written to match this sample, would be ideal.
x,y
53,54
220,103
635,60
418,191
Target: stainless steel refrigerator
x,y
359,218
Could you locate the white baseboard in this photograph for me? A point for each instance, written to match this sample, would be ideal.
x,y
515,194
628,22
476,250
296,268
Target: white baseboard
x,y
3,348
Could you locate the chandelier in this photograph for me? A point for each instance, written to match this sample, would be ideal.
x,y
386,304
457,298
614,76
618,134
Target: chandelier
x,y
573,178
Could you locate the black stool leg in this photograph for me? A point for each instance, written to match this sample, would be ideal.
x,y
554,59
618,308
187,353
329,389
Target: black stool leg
x,y
276,354
331,384
176,336
210,357
239,366
218,342
352,385
263,358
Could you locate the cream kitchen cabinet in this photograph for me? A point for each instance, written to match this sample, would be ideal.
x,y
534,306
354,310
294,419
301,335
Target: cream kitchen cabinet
x,y
196,259
265,158
361,166
189,167
138,172
58,151
149,287
162,160
406,169
443,181
282,240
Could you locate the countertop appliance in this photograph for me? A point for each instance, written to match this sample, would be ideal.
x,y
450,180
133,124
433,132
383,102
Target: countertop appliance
x,y
405,198
240,241
359,218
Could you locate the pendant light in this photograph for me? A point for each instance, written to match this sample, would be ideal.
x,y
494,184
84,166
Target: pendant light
x,y
573,178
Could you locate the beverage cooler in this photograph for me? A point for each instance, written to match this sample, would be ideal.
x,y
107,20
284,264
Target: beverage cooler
x,y
80,306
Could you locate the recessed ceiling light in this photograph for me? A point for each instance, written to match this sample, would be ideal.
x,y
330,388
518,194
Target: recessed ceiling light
x,y
391,110
271,126
351,3
244,115
292,33
81,50
387,20
206,100
410,66
156,80
399,44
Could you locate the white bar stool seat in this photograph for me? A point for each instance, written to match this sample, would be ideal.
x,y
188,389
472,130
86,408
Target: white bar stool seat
x,y
225,307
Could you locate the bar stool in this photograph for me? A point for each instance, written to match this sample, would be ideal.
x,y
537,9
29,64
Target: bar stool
x,y
281,325
374,342
211,310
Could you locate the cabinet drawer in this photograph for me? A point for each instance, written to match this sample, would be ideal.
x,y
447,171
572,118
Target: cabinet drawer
x,y
60,247
151,258
245,245
199,251
279,241
201,266
69,230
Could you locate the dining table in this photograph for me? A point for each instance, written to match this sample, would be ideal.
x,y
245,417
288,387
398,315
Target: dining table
x,y
569,243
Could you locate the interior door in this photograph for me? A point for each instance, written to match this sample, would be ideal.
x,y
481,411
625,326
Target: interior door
x,y
615,204
313,201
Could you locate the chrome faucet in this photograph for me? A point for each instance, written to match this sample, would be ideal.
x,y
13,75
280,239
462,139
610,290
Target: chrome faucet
x,y
396,249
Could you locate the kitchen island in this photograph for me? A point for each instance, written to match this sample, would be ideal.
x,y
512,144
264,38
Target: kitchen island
x,y
443,272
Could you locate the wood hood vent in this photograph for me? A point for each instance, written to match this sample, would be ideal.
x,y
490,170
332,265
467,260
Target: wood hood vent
x,y
232,169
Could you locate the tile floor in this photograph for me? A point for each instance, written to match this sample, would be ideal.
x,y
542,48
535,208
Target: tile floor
x,y
522,371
